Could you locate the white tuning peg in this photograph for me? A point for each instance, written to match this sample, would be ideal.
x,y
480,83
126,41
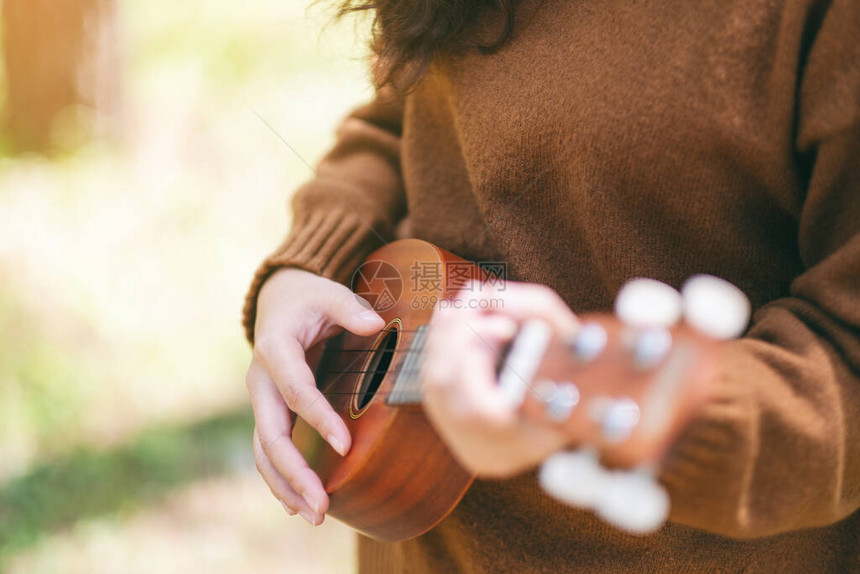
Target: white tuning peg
x,y
574,477
648,303
619,418
633,501
589,341
715,307
650,346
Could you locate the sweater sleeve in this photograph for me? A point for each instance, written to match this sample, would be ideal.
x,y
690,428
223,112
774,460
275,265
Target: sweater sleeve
x,y
351,207
779,449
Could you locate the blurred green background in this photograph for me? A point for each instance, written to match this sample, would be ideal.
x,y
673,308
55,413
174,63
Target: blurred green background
x,y
130,227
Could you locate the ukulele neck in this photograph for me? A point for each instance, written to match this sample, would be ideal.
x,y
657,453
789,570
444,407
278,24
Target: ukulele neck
x,y
407,388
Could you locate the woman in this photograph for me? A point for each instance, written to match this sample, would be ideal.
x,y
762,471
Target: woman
x,y
585,143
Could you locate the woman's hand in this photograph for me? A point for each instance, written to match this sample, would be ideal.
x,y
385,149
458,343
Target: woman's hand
x,y
296,311
484,431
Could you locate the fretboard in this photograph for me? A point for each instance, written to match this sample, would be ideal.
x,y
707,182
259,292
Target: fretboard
x,y
407,388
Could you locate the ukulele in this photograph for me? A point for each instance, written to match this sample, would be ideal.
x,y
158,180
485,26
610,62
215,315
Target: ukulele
x,y
624,386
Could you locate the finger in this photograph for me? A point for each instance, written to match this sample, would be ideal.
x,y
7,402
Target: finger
x,y
462,363
314,354
494,325
345,309
450,329
498,329
480,364
291,500
273,427
295,381
524,301
493,333
443,346
279,486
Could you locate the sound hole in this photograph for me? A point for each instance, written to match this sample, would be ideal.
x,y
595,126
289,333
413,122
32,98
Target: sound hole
x,y
377,368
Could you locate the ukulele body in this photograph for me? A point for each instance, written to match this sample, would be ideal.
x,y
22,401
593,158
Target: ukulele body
x,y
399,479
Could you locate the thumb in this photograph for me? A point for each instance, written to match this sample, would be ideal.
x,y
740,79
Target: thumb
x,y
355,314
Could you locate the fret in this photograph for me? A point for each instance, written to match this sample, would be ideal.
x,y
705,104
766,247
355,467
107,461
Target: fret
x,y
407,389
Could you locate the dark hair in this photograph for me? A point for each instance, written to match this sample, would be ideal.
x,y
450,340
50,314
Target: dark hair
x,y
407,35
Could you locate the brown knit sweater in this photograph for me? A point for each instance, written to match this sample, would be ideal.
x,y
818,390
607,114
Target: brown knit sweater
x,y
661,138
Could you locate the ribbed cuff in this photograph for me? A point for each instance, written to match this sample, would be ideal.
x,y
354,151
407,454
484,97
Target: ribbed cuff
x,y
330,243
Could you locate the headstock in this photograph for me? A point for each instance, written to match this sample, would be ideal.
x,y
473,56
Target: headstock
x,y
624,387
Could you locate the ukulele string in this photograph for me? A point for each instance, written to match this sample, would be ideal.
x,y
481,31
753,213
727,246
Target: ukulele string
x,y
399,330
391,352
355,393
377,371
399,349
374,372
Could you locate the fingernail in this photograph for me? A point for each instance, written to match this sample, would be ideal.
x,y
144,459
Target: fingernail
x,y
310,518
314,506
289,510
336,444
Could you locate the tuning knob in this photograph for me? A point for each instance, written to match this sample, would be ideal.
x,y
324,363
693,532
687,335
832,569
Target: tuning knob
x,y
633,501
588,341
715,307
618,419
650,346
574,477
648,303
559,399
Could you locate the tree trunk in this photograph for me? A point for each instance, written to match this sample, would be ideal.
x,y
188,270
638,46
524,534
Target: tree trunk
x,y
62,72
